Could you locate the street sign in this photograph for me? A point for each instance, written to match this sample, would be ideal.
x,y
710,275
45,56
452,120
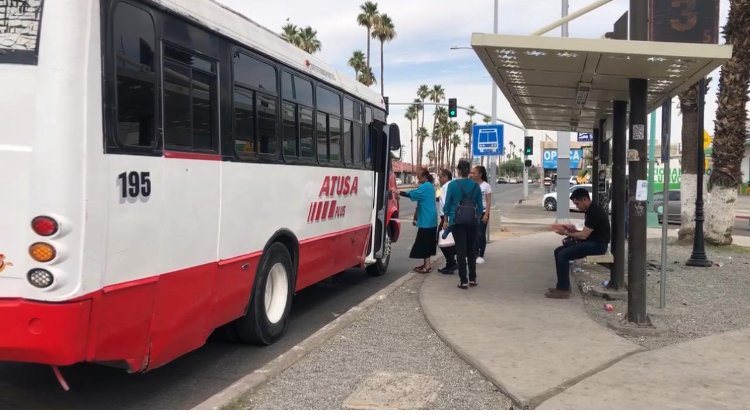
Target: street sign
x,y
487,140
585,136
549,159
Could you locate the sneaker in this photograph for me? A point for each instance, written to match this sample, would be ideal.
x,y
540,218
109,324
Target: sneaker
x,y
558,294
549,290
480,260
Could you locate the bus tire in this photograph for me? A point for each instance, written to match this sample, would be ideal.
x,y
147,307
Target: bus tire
x,y
381,265
270,300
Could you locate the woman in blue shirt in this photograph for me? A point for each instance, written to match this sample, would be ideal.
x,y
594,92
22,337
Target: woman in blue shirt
x,y
425,244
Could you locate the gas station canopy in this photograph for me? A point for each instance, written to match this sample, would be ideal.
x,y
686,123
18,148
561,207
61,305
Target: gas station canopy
x,y
568,84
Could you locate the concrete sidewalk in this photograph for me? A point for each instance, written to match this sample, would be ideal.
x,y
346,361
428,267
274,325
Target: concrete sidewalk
x,y
549,353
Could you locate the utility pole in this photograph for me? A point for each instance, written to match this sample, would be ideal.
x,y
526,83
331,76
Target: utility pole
x,y
637,159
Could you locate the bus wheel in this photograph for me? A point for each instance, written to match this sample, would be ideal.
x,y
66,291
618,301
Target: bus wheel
x,y
381,265
271,299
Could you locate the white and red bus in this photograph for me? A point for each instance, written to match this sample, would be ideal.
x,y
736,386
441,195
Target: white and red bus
x,y
170,167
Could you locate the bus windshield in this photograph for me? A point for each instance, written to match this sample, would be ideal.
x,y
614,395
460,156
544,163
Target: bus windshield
x,y
19,30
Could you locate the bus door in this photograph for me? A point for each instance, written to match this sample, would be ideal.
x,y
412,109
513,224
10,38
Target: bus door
x,y
385,137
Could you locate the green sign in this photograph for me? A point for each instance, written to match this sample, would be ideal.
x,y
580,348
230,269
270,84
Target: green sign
x,y
675,178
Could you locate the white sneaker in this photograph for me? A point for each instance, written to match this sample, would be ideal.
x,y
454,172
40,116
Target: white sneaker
x,y
480,260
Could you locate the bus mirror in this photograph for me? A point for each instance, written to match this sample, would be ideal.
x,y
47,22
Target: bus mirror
x,y
394,136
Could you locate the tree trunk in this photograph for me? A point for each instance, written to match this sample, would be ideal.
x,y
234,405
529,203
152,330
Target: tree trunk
x,y
381,69
731,116
689,110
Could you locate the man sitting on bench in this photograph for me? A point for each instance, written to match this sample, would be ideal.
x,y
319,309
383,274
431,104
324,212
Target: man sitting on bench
x,y
592,240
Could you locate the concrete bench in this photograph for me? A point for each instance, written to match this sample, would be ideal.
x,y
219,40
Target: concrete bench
x,y
605,260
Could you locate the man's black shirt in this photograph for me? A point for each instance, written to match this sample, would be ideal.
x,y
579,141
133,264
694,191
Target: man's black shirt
x,y
597,220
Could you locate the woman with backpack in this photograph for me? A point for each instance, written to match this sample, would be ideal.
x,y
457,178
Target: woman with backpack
x,y
425,244
463,207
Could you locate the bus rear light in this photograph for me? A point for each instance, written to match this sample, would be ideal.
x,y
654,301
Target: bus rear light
x,y
44,225
40,278
42,252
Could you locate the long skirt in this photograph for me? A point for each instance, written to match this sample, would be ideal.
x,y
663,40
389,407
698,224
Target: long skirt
x,y
425,245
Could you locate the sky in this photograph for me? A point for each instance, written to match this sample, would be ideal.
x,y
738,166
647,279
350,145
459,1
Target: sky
x,y
421,52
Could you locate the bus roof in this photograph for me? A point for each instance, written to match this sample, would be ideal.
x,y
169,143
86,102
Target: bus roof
x,y
235,25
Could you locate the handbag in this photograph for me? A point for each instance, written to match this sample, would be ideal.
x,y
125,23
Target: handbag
x,y
447,242
570,241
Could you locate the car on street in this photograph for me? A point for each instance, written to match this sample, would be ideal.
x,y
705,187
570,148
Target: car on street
x,y
674,214
502,180
549,201
398,182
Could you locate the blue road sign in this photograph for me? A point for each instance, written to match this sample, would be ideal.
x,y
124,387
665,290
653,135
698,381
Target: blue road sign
x,y
585,136
487,140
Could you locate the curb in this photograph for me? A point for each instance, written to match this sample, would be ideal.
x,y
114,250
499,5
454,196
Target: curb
x,y
253,381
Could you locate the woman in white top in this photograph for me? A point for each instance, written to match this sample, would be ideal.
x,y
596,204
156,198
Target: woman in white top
x,y
479,175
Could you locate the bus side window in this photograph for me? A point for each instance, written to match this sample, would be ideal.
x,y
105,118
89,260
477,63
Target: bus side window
x,y
368,138
133,47
189,101
255,107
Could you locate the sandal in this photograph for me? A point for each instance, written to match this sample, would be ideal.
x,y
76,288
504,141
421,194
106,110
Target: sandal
x,y
424,271
417,269
463,286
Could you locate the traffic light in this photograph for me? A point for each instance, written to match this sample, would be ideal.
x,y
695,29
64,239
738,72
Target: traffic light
x,y
452,108
528,146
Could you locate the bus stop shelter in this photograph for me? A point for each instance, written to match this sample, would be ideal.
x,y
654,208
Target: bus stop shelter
x,y
581,85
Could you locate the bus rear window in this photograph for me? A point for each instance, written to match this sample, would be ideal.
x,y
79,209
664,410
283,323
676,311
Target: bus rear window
x,y
19,30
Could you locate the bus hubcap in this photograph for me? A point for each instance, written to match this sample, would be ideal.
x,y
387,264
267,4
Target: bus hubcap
x,y
277,288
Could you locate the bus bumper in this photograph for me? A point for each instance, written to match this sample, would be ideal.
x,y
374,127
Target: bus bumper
x,y
48,333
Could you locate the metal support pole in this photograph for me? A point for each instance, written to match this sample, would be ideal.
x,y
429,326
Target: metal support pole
x,y
651,220
637,158
637,204
617,275
698,257
595,168
666,129
494,122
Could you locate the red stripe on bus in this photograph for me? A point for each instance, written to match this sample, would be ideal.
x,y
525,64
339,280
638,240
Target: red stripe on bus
x,y
191,156
332,209
149,322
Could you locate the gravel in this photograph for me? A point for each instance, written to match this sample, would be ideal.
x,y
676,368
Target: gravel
x,y
699,301
391,337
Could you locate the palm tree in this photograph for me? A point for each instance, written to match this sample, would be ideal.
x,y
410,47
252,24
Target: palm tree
x,y
455,142
440,114
308,39
689,110
411,114
290,33
367,19
384,31
357,61
422,93
366,77
436,95
422,135
729,137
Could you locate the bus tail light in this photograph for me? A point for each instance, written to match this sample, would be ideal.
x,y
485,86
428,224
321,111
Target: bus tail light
x,y
44,225
42,252
40,278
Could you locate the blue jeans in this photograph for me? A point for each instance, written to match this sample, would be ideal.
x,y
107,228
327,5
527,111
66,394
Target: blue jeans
x,y
565,254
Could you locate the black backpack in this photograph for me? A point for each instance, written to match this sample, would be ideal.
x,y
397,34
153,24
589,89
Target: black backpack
x,y
466,211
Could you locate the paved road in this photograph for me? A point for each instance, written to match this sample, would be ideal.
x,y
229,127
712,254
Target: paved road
x,y
193,378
